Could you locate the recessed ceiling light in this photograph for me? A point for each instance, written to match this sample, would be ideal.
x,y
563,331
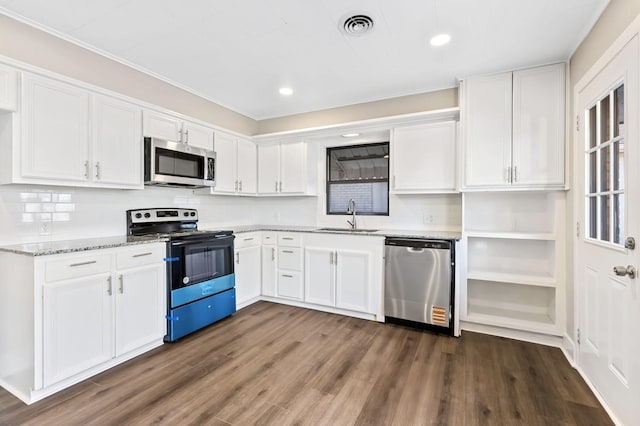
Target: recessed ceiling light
x,y
350,135
286,91
440,39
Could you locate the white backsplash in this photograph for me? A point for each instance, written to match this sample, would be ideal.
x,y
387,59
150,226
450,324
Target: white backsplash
x,y
42,213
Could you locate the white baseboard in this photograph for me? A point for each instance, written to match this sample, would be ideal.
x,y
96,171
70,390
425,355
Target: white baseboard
x,y
597,394
526,336
569,349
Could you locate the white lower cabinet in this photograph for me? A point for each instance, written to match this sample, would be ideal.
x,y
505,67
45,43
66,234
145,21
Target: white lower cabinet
x,y
344,272
247,268
290,266
269,264
98,308
77,326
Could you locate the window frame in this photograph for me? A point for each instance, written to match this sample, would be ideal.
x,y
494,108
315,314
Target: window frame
x,y
328,182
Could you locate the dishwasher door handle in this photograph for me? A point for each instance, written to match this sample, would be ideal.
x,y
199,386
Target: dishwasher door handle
x,y
415,250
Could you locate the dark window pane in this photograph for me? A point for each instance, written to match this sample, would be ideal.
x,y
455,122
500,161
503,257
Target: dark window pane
x,y
592,208
591,137
605,120
593,172
618,165
370,197
605,169
605,220
618,113
618,218
360,162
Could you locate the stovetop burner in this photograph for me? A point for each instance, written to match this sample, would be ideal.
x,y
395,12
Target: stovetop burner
x,y
169,223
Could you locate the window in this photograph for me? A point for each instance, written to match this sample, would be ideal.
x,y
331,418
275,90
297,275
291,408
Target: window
x,y
361,173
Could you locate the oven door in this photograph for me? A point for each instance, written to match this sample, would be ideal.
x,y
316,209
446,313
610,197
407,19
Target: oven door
x,y
199,268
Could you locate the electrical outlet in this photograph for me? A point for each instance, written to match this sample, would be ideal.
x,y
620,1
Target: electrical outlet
x,y
427,218
45,227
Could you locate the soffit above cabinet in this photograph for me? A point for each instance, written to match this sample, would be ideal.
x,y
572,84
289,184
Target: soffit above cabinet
x,y
239,53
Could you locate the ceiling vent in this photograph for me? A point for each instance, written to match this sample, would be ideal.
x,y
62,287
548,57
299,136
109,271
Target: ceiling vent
x,y
357,25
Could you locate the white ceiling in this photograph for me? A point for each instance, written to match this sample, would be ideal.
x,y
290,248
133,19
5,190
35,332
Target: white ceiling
x,y
239,53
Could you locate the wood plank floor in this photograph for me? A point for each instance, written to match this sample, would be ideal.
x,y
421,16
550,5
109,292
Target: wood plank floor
x,y
273,364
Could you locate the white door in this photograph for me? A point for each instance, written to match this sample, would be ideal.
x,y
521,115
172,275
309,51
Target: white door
x,y
197,136
268,169
247,167
608,197
269,270
487,130
248,272
77,326
292,168
538,126
140,307
226,159
55,123
353,280
319,276
117,143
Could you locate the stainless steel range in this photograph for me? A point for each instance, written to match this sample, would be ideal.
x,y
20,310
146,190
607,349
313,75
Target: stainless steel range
x,y
200,274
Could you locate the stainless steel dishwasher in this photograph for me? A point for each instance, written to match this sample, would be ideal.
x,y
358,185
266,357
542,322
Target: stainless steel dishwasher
x,y
419,283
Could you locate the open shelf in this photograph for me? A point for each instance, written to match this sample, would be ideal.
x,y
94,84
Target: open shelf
x,y
540,281
528,258
522,307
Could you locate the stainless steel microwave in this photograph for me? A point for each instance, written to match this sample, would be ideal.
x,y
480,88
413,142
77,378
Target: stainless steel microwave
x,y
169,163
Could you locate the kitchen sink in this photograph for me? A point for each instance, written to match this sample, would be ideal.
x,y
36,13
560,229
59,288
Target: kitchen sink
x,y
347,230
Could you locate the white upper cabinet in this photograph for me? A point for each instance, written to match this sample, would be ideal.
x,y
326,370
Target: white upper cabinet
x,y
424,158
513,129
8,88
283,169
71,136
55,131
168,127
117,130
236,168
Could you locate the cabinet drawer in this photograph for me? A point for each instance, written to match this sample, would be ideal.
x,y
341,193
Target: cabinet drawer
x,y
290,285
74,267
290,240
269,238
142,255
290,258
247,239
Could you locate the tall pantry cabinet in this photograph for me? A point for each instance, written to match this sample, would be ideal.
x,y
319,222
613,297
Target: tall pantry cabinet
x,y
513,174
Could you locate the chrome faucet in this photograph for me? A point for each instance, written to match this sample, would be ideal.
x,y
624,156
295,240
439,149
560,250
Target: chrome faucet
x,y
351,209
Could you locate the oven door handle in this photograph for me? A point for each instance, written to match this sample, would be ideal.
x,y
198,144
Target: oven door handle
x,y
211,243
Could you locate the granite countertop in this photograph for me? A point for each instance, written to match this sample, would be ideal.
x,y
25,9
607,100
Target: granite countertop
x,y
69,246
445,235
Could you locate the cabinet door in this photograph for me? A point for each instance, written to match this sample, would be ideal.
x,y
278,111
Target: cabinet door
x,y
247,167
424,158
290,285
77,326
319,272
117,143
353,278
55,127
197,136
162,126
268,169
226,160
269,270
538,126
8,88
248,273
293,168
487,130
140,307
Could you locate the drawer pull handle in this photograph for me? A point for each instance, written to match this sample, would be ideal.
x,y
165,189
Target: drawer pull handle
x,y
83,263
287,276
287,238
121,289
287,251
142,254
248,239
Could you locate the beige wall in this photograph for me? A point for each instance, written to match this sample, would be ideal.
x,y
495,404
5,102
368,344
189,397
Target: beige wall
x,y
394,106
613,21
27,44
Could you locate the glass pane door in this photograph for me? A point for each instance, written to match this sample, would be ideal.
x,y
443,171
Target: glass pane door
x,y
604,164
